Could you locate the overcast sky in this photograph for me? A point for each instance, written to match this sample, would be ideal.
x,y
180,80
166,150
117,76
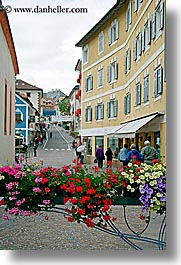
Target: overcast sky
x,y
45,42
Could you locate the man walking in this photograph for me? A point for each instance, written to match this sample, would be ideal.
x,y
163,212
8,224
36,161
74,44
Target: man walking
x,y
149,153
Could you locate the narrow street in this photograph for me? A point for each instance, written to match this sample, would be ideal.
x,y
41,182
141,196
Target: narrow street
x,y
56,151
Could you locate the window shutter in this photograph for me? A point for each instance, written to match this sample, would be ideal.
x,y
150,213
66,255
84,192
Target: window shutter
x,y
90,114
86,114
127,20
130,12
139,94
145,90
134,50
155,83
135,5
116,71
117,30
139,41
153,25
129,103
115,102
91,82
125,63
102,111
108,109
129,59
109,36
161,15
160,80
109,73
149,32
125,105
96,113
143,39
86,84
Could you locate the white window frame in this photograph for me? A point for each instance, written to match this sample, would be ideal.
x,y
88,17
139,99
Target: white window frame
x,y
137,5
113,32
112,72
100,77
158,20
137,47
89,83
127,61
101,42
146,94
112,108
138,94
129,16
85,54
99,112
158,81
88,114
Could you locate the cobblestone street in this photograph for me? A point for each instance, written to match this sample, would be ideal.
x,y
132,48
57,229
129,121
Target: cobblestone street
x,y
56,233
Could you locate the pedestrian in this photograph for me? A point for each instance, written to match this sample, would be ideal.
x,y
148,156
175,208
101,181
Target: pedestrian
x,y
81,153
122,154
100,156
34,149
109,155
149,153
158,151
134,154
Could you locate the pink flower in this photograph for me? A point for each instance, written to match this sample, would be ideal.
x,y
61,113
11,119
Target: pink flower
x,y
46,202
47,190
37,189
5,217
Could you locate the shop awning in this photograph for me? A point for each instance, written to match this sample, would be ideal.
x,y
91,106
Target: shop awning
x,y
129,129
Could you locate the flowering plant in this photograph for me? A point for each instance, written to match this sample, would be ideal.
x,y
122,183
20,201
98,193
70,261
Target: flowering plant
x,y
88,195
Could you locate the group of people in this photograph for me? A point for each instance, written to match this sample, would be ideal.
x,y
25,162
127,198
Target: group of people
x,y
147,154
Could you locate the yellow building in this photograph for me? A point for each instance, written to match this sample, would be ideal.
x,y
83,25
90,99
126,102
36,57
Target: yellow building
x,y
124,79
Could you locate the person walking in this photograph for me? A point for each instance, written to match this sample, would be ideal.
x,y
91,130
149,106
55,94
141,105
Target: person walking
x,y
134,154
100,156
81,150
122,154
158,151
149,153
109,155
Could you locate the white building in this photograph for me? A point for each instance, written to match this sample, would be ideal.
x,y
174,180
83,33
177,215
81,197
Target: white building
x,y
9,70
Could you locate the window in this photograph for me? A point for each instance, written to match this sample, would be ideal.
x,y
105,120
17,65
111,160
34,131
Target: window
x,y
138,94
113,32
158,81
101,42
89,83
112,108
129,16
146,35
127,103
158,20
28,94
127,61
99,141
100,77
85,54
5,108
146,89
137,47
19,116
137,4
112,72
99,111
88,114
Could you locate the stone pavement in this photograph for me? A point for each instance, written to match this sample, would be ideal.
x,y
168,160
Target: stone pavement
x,y
56,233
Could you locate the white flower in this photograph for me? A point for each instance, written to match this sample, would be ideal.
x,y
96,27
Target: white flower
x,y
2,177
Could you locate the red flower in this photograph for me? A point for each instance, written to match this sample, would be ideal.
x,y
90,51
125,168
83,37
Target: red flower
x,y
47,189
155,160
91,191
79,189
46,218
107,217
105,208
123,183
73,201
142,217
136,177
137,162
44,180
84,199
89,222
75,160
81,211
70,219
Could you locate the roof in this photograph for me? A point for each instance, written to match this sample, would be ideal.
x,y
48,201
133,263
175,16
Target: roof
x,y
22,85
25,99
55,94
106,17
4,22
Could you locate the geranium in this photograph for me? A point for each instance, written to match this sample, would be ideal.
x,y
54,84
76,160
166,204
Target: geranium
x,y
88,196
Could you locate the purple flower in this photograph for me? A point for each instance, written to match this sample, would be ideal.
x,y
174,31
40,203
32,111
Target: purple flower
x,y
36,189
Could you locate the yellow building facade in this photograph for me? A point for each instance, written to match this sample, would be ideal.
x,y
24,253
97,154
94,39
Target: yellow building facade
x,y
124,78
